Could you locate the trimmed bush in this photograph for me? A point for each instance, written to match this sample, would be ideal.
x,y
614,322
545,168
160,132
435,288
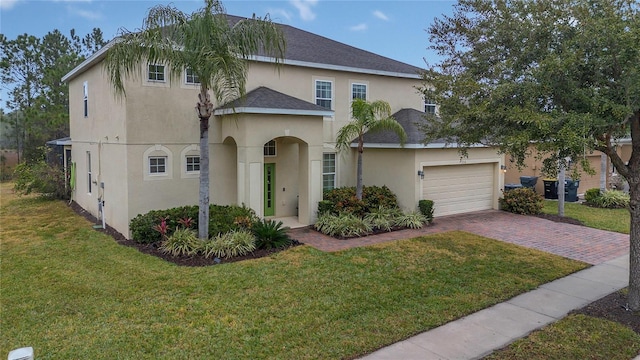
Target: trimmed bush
x,y
181,242
222,219
612,199
522,201
232,244
591,195
426,208
325,206
344,200
270,234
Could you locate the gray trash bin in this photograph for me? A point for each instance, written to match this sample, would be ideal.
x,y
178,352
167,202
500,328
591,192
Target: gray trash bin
x,y
529,181
508,187
571,190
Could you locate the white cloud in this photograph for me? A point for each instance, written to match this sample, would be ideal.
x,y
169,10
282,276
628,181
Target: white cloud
x,y
8,4
359,27
380,15
89,15
279,13
304,8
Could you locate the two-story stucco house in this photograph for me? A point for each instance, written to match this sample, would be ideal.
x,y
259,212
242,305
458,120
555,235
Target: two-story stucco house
x,y
273,150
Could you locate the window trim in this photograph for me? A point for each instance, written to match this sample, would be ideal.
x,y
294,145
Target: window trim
x,y
431,104
157,165
85,98
157,151
366,90
193,164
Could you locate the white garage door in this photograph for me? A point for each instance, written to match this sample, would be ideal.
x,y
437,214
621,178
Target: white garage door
x,y
458,189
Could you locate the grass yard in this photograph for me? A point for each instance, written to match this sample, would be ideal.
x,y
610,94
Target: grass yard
x,y
575,337
72,292
605,219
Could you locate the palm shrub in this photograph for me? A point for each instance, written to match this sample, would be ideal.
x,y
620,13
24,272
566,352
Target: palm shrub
x,y
183,241
426,208
231,244
412,220
270,234
612,199
523,201
343,225
383,218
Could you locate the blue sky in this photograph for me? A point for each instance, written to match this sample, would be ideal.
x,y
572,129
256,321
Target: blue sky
x,y
395,29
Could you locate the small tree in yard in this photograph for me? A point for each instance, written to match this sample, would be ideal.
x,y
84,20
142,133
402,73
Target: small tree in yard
x,y
561,75
215,51
367,116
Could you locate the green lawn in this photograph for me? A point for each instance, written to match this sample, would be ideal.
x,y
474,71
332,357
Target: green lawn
x,y
575,337
605,219
71,292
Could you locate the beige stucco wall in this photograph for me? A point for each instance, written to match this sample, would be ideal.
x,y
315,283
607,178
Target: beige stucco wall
x,y
398,169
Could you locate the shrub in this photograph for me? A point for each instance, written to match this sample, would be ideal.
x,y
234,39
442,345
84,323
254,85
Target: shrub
x,y
426,208
382,218
232,244
41,178
325,206
591,195
183,241
522,201
222,219
344,200
612,199
412,220
343,225
270,234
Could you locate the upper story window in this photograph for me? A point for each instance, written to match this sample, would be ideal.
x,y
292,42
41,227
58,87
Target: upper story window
x,y
85,98
155,72
157,165
190,77
359,91
270,148
324,93
429,106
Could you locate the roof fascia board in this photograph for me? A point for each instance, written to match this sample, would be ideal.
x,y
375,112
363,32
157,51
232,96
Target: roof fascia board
x,y
416,146
268,111
90,61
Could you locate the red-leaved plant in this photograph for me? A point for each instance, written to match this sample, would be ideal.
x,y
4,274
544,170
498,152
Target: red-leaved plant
x,y
162,228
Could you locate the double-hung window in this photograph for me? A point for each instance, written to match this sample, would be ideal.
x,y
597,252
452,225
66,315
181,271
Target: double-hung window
x,y
429,106
157,165
324,93
359,91
328,171
190,77
155,72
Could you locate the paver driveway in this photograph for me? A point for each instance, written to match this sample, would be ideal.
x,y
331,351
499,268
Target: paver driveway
x,y
576,242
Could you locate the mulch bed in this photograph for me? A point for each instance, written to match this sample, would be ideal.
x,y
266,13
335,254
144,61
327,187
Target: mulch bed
x,y
613,307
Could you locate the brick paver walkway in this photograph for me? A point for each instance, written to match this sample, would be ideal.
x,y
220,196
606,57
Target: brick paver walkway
x,y
571,241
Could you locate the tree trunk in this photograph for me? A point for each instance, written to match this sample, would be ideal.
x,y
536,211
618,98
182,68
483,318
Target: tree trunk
x,y
561,178
359,177
203,198
634,248
205,109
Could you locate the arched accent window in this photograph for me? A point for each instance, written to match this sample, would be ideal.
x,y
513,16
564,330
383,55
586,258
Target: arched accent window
x,y
158,163
190,162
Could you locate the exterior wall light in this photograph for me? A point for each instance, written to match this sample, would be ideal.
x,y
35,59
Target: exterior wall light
x,y
503,168
421,174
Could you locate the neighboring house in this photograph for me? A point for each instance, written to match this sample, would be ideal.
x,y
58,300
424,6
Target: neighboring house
x,y
273,150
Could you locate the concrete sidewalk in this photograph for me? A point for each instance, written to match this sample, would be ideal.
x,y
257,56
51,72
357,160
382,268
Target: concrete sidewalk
x,y
479,334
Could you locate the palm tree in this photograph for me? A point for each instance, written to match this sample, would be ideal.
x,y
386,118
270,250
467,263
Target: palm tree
x,y
367,117
216,52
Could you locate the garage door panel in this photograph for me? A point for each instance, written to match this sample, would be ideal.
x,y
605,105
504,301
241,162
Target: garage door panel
x,y
459,188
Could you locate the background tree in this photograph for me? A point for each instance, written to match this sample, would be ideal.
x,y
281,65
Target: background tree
x,y
560,75
207,43
367,117
32,69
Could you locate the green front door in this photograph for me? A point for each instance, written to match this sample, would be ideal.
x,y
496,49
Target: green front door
x,y
269,189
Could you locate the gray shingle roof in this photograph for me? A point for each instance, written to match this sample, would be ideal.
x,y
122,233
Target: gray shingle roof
x,y
265,98
311,48
409,119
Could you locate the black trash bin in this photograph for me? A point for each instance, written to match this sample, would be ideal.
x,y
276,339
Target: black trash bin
x,y
529,181
550,188
508,187
571,190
